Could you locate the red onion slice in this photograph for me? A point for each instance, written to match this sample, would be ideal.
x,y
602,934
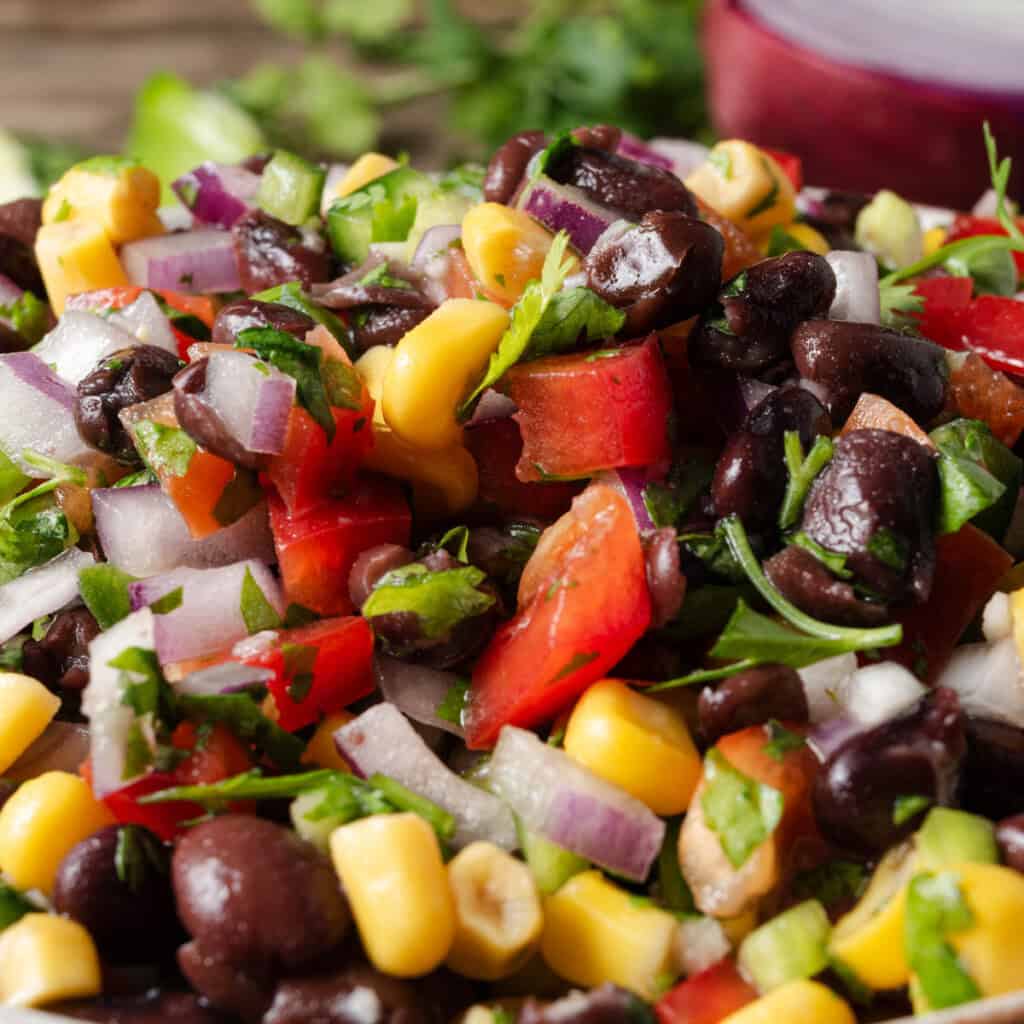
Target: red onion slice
x,y
630,483
209,617
565,208
857,296
827,737
493,405
560,799
416,690
382,740
41,591
195,262
636,149
143,533
218,194
229,677
686,156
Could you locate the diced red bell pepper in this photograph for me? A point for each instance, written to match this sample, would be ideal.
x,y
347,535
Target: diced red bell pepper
x,y
317,548
497,447
790,164
980,393
589,411
946,300
318,669
583,603
968,570
994,328
706,998
966,225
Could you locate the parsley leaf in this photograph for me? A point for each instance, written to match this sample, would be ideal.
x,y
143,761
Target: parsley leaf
x,y
741,811
574,317
781,741
28,316
104,589
897,301
669,500
258,613
459,537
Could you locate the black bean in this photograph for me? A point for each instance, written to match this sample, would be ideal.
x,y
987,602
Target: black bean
x,y
125,903
1010,837
875,503
155,1007
598,136
608,1004
384,325
125,378
753,697
665,580
835,216
813,589
626,186
847,359
353,290
19,223
371,565
749,328
508,165
750,475
245,314
271,252
666,269
994,772
241,989
61,657
858,790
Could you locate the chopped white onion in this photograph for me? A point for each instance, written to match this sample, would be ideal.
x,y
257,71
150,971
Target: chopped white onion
x,y
79,342
41,591
857,296
104,687
823,684
147,323
997,617
335,174
987,679
987,205
699,943
381,740
878,693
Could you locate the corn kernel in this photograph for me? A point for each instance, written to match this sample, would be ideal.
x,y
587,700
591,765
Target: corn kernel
x,y
435,366
744,184
933,240
40,823
497,913
26,708
321,750
76,256
44,959
595,932
795,1001
635,743
373,366
390,866
367,168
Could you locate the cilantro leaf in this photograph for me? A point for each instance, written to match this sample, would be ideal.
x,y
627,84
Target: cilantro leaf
x,y
573,317
897,301
741,811
441,600
104,589
906,807
1000,171
258,613
292,296
453,705
138,855
459,537
802,473
28,316
13,906
164,448
669,500
833,883
242,716
781,741
32,534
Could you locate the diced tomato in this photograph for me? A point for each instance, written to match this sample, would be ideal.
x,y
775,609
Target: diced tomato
x,y
163,819
583,603
318,669
197,495
317,548
497,447
966,225
872,412
219,756
994,328
943,318
310,469
980,393
582,413
790,164
969,567
706,998
460,282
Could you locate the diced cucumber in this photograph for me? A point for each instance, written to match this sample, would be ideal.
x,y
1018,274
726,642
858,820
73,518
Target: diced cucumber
x,y
292,296
948,837
443,207
788,947
290,188
383,210
551,865
888,227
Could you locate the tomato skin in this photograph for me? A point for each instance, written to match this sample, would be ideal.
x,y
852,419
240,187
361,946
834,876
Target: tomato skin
x,y
197,493
219,756
310,469
317,548
981,393
341,671
579,414
583,603
200,306
968,569
946,301
994,328
706,998
459,281
790,164
497,447
966,225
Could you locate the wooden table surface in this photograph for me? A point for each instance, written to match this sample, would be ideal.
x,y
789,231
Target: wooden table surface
x,y
69,68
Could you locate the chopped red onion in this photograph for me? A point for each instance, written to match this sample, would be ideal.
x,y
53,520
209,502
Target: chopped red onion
x,y
62,747
41,591
9,292
493,405
988,681
566,208
857,296
636,149
228,677
218,194
564,802
686,156
143,533
436,241
147,323
827,737
195,262
823,683
630,483
381,740
416,690
209,617
38,413
79,342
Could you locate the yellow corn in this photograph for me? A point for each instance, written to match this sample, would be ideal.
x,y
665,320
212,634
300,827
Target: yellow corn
x,y
498,919
26,707
367,168
795,1001
76,256
321,749
933,240
1017,613
40,823
390,866
44,959
637,744
596,932
745,184
373,366
435,366
810,239
120,196
505,248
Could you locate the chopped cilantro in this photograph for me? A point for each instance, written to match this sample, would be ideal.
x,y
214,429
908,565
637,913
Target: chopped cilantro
x,y
781,741
906,807
453,705
104,589
164,448
169,602
721,160
28,316
802,473
138,855
258,613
